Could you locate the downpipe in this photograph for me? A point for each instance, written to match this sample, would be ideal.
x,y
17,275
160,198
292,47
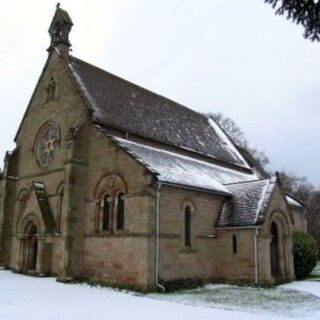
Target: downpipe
x,y
158,285
255,244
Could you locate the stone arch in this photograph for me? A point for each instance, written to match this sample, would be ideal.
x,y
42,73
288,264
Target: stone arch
x,y
26,220
189,202
279,231
30,231
282,220
111,185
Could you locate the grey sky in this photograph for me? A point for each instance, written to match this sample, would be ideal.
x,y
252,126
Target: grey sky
x,y
229,56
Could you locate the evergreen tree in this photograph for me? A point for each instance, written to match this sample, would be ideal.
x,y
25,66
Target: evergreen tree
x,y
303,12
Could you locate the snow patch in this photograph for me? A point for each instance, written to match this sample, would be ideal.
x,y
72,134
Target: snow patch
x,y
227,140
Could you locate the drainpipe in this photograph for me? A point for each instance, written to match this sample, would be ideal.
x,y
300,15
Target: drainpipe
x,y
256,279
158,238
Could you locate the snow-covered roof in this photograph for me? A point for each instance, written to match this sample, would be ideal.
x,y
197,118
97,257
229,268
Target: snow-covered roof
x,y
119,104
249,203
293,202
182,170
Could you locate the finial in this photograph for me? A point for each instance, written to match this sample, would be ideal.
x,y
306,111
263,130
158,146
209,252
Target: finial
x,y
58,5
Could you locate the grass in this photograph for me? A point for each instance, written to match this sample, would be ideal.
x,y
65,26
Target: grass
x,y
252,300
315,274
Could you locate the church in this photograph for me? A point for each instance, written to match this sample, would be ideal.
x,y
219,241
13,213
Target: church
x,y
113,183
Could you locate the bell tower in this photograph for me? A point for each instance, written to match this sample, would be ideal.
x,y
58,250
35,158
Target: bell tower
x,y
59,31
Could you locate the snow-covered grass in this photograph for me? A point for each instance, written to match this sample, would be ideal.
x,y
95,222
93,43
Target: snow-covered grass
x,y
278,301
315,274
23,297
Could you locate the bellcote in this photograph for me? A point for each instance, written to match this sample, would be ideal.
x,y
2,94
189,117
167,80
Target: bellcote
x,y
59,31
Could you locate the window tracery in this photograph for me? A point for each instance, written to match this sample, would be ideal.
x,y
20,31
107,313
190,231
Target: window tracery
x,y
47,141
110,195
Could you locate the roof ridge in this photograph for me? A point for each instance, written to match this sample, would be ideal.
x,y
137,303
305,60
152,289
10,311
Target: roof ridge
x,y
120,104
242,182
294,198
179,154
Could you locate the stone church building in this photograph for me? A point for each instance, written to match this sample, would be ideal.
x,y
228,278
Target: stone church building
x,y
114,183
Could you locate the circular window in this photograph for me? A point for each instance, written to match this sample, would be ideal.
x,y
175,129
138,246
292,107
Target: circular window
x,y
47,142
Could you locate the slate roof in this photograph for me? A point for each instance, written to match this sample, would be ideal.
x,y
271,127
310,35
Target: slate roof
x,y
294,203
181,170
248,205
119,104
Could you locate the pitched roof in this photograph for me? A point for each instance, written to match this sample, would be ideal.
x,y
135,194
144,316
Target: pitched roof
x,y
119,104
248,205
254,164
294,203
177,169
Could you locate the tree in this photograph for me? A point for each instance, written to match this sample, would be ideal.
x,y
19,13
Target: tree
x,y
302,189
305,253
304,12
236,134
230,127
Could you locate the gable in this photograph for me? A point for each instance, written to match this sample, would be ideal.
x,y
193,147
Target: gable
x,y
40,109
121,105
37,206
66,110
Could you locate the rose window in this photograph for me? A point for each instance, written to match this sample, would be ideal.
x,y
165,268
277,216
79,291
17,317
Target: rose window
x,y
47,142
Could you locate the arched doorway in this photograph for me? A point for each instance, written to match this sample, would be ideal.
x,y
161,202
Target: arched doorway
x,y
274,250
30,249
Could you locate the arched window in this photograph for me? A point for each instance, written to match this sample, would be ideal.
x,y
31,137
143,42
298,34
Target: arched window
x,y
106,213
120,211
234,244
51,90
22,201
187,226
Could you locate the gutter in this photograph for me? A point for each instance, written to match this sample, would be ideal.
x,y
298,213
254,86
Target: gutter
x,y
182,186
157,253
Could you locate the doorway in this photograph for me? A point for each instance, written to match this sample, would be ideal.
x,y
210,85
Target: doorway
x,y
30,249
274,250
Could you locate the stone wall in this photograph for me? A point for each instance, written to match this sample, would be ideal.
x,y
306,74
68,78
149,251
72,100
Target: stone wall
x,y
211,255
88,164
120,256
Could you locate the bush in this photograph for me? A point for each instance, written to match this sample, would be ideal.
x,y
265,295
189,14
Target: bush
x,y
305,253
181,284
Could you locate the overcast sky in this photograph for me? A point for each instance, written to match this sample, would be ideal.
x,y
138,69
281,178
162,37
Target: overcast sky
x,y
229,56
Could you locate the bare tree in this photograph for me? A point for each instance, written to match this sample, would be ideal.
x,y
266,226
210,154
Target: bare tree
x,y
302,189
236,134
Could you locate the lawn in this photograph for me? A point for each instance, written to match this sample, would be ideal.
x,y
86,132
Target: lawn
x,y
280,301
44,298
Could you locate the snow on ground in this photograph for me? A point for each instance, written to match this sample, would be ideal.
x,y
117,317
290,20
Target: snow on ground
x,y
282,301
44,298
